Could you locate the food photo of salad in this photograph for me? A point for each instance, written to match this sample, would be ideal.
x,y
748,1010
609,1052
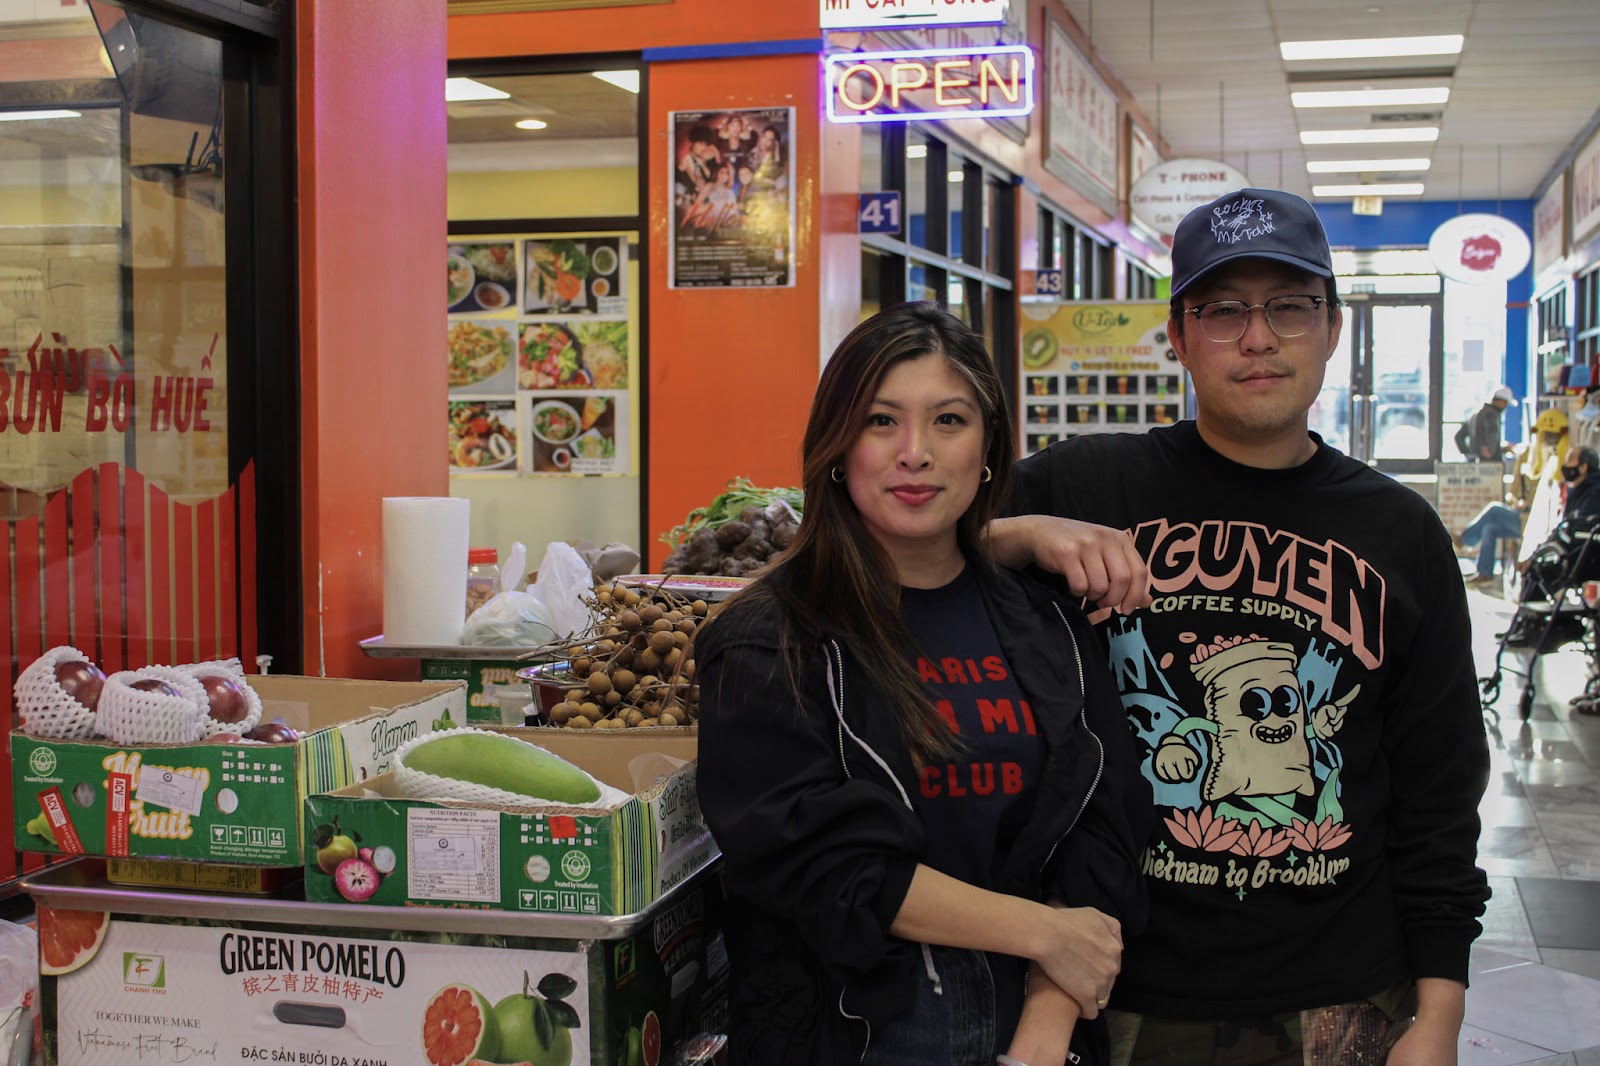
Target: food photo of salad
x,y
573,355
567,276
477,352
576,435
483,435
480,276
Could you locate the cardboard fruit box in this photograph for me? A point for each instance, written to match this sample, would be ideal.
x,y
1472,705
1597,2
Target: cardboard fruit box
x,y
277,984
545,860
233,803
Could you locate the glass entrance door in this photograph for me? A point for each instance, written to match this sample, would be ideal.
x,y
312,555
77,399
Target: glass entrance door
x,y
1381,399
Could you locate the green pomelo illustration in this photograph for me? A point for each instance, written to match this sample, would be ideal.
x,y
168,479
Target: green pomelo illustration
x,y
502,762
527,1033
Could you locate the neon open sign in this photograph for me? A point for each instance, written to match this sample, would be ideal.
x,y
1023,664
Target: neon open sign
x,y
942,83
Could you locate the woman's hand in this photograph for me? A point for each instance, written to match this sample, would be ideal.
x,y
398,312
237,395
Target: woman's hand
x,y
1080,950
1098,562
1044,1033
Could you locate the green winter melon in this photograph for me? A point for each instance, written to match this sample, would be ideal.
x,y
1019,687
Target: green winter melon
x,y
506,763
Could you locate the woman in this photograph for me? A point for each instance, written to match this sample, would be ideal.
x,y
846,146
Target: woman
x,y
915,763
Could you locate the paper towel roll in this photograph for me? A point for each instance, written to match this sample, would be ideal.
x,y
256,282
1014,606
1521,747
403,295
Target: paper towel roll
x,y
424,569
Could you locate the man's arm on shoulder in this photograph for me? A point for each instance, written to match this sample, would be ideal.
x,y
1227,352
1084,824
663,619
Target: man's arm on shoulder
x,y
1095,562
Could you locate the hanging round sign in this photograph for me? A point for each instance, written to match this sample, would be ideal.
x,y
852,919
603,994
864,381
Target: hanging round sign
x,y
1479,248
1168,191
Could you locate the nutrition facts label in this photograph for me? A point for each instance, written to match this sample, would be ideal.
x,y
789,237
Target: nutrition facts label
x,y
453,854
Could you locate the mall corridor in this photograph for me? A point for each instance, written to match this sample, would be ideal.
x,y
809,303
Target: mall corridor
x,y
1535,992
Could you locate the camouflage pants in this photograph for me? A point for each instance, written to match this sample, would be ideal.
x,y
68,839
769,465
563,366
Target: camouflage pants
x,y
1349,1034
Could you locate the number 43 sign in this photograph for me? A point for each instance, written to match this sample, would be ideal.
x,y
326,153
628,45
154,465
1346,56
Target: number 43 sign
x,y
879,212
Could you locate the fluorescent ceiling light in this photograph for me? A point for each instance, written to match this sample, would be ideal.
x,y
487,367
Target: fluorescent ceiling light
x,y
916,151
957,175
1392,189
532,124
1370,97
622,79
29,116
1362,166
459,90
1372,47
1405,135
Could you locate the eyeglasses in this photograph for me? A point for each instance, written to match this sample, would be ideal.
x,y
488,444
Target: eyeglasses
x,y
1225,321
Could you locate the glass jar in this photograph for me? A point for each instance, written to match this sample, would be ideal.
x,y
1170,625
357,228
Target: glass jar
x,y
483,577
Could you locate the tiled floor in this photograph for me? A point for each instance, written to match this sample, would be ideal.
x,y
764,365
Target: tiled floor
x,y
1535,993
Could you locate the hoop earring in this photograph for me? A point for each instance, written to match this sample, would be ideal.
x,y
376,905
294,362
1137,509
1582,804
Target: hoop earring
x,y
837,473
988,474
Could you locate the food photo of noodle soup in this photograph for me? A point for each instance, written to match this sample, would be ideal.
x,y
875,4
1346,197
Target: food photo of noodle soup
x,y
576,435
483,436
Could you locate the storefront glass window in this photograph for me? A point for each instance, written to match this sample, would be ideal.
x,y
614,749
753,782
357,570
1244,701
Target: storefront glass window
x,y
123,507
955,185
871,158
916,197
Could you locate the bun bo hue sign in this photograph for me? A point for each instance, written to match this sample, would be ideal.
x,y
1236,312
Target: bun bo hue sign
x,y
939,83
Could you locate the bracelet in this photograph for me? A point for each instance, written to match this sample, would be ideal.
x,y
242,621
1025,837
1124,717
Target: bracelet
x,y
1007,1060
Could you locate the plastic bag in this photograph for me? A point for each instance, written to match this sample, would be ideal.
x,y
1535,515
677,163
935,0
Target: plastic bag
x,y
563,582
19,993
509,619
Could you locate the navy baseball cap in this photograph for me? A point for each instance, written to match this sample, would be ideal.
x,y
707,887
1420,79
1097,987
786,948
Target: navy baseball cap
x,y
1249,223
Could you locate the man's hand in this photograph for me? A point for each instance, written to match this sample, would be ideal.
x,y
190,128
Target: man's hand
x,y
1080,950
1431,1040
1424,1047
1099,563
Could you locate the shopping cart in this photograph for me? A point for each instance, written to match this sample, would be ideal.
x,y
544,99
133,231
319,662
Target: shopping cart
x,y
1551,611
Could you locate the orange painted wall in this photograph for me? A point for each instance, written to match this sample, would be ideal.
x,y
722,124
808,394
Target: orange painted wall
x,y
631,29
372,218
731,370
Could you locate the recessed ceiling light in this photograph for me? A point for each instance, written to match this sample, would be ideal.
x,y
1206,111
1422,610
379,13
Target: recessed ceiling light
x,y
916,151
622,79
1373,47
1404,135
532,124
1391,189
32,116
1370,97
1362,166
459,90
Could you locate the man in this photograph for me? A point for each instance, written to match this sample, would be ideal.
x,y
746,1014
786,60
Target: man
x,y
1565,558
1483,440
1497,522
1300,683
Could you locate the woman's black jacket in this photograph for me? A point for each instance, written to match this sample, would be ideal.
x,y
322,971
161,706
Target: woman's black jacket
x,y
811,809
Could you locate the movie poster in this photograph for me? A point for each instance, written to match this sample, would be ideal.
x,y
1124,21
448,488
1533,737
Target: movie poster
x,y
733,200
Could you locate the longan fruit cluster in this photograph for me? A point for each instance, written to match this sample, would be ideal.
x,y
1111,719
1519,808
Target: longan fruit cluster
x,y
636,674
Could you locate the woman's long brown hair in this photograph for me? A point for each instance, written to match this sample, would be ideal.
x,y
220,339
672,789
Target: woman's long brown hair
x,y
835,579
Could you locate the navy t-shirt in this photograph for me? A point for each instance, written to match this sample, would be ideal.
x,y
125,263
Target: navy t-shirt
x,y
974,804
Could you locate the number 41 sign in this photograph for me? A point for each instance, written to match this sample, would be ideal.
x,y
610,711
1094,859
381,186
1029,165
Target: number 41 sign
x,y
879,212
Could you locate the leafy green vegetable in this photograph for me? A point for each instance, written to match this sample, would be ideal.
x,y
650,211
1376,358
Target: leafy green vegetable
x,y
725,508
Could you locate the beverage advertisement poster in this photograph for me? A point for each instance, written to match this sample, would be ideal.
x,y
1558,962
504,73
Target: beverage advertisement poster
x,y
1096,367
733,200
542,354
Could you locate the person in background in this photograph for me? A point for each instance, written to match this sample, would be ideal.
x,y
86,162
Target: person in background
x,y
1564,559
914,762
1484,442
1300,687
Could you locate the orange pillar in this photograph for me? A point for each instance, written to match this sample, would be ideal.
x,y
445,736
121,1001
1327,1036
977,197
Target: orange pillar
x,y
371,145
731,370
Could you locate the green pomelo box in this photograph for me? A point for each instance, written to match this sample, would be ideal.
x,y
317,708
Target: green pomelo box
x,y
232,803
541,860
287,988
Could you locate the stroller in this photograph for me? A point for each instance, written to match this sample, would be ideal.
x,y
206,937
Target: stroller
x,y
1551,611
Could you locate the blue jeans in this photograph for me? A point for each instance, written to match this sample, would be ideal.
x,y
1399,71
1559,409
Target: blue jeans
x,y
1494,523
951,1024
